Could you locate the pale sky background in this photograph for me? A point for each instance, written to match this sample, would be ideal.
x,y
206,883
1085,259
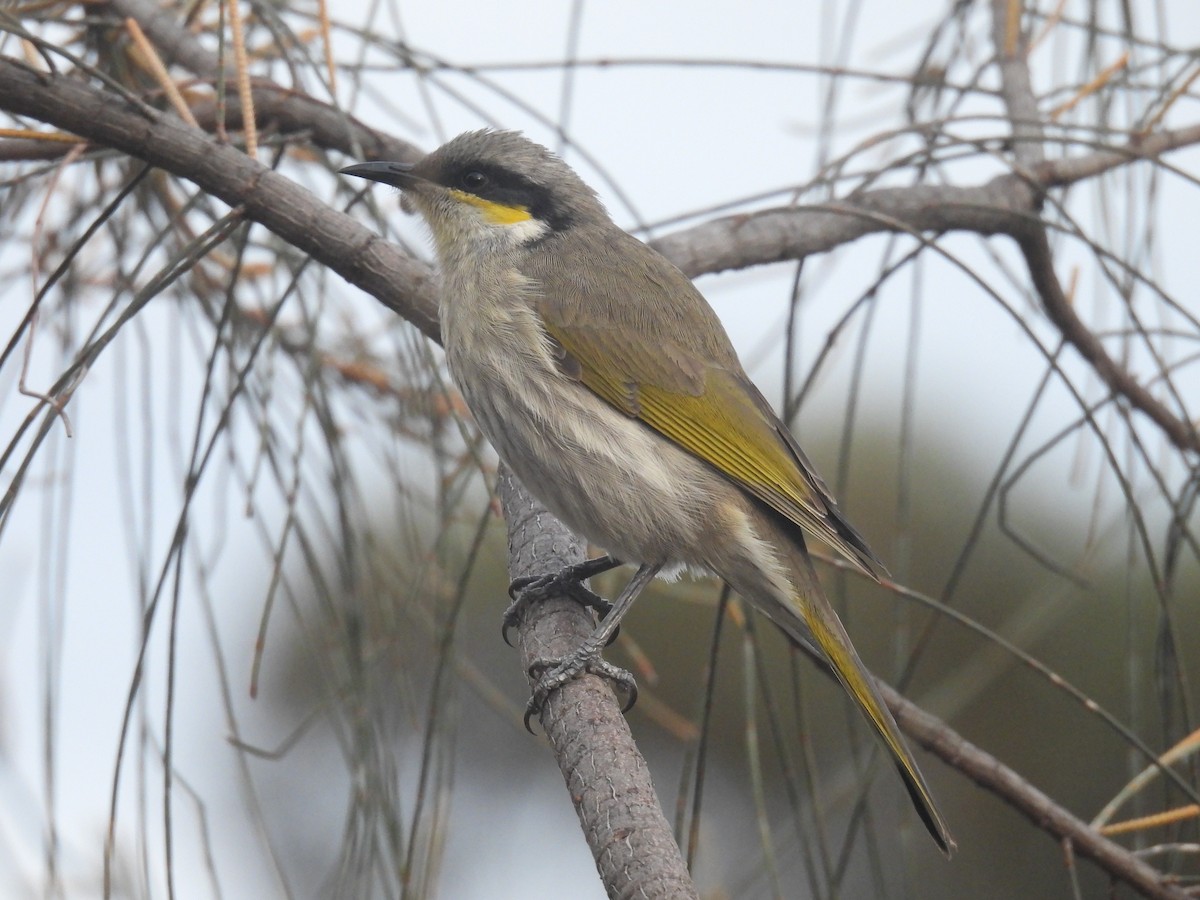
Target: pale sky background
x,y
676,140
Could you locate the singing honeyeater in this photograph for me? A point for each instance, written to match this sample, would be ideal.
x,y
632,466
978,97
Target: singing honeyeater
x,y
606,382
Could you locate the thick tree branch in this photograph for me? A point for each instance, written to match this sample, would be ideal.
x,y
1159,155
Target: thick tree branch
x,y
1016,89
1035,247
996,207
607,777
1006,205
1016,84
275,105
403,284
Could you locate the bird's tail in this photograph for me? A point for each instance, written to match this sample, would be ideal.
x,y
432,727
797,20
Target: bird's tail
x,y
809,619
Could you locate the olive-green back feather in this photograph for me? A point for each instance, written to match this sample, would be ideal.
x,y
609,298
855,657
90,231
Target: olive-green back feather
x,y
648,343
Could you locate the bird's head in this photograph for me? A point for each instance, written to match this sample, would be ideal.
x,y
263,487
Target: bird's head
x,y
490,187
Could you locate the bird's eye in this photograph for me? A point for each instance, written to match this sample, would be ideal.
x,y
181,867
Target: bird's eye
x,y
474,180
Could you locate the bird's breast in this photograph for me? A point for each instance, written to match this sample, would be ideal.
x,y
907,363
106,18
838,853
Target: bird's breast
x,y
607,475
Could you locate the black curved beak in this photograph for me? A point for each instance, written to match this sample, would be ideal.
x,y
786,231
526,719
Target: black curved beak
x,y
397,174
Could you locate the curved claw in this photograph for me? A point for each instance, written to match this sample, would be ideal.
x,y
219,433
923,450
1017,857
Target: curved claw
x,y
537,698
530,712
522,591
512,618
619,677
631,689
632,692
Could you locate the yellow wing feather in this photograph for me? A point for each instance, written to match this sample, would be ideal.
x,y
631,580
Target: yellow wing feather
x,y
718,416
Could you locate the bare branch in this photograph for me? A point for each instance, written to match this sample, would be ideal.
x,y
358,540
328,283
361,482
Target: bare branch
x,y
996,207
1006,205
400,282
992,775
607,777
1016,86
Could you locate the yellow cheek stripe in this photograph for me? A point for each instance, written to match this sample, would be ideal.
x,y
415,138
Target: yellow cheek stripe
x,y
496,213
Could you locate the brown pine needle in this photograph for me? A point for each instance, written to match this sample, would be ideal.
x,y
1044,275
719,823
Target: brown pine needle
x,y
1170,101
147,57
1191,811
326,38
1072,286
28,134
1092,86
249,129
1052,22
1012,28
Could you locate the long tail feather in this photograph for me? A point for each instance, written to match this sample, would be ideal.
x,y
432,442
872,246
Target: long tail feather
x,y
860,684
824,627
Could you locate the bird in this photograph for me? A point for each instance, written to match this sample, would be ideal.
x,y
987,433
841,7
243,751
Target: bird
x,y
606,382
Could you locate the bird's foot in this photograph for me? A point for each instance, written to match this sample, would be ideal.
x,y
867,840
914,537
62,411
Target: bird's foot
x,y
556,673
567,582
552,674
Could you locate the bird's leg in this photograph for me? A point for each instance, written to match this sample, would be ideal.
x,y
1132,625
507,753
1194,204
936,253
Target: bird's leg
x,y
586,658
568,581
